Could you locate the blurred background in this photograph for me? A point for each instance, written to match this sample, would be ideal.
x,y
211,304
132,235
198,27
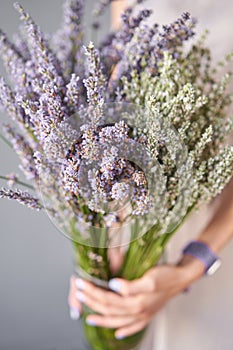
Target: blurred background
x,y
36,260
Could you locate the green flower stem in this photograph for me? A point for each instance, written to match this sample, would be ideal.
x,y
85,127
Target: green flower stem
x,y
18,182
146,250
130,269
149,254
104,338
98,269
6,141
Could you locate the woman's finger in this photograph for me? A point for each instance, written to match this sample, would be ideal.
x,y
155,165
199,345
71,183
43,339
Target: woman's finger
x,y
113,322
97,293
109,303
133,328
146,284
74,304
103,307
105,301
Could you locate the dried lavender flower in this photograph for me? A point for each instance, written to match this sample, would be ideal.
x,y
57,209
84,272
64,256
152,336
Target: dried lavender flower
x,y
62,100
41,53
74,97
22,197
25,153
68,41
12,60
8,102
95,83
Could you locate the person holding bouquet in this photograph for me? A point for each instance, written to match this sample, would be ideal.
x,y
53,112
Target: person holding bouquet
x,y
133,304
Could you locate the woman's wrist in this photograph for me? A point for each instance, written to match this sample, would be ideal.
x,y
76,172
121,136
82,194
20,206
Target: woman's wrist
x,y
192,269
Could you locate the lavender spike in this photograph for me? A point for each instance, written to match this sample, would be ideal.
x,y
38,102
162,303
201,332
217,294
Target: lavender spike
x,y
175,34
13,61
24,151
95,83
9,103
112,50
22,197
21,44
74,97
68,41
46,62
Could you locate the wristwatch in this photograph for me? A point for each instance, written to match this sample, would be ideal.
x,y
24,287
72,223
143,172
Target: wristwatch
x,y
202,252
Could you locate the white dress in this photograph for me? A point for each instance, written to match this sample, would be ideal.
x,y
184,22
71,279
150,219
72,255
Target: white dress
x,y
157,337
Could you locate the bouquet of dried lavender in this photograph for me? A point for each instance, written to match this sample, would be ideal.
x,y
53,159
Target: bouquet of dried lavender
x,y
120,143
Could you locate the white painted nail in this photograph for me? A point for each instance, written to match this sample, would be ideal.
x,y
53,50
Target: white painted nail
x,y
114,285
80,296
79,283
74,314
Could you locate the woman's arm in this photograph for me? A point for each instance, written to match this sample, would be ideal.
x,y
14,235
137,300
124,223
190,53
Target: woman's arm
x,y
220,229
216,234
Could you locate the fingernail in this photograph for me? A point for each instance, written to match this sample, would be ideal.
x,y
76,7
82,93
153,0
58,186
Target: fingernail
x,y
120,336
114,285
90,322
80,296
79,283
74,314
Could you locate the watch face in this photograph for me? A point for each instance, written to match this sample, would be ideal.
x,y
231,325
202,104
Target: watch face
x,y
213,268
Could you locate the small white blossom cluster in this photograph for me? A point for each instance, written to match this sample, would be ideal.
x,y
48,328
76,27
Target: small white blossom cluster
x,y
187,94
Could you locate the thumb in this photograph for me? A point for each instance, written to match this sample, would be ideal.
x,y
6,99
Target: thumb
x,y
126,288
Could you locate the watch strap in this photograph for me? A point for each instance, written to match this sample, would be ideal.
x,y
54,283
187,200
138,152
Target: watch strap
x,y
202,252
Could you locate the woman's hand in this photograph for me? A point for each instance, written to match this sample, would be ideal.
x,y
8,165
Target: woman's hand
x,y
132,304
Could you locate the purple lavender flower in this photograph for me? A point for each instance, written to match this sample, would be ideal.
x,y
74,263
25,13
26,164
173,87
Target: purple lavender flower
x,y
112,48
74,93
109,176
120,190
24,151
84,163
68,41
7,101
43,57
13,61
95,84
22,197
21,44
174,35
139,46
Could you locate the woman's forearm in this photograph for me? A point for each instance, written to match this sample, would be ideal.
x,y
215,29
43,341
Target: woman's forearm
x,y
219,231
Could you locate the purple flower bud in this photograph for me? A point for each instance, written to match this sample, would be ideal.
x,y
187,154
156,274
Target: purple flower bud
x,y
22,197
68,40
24,151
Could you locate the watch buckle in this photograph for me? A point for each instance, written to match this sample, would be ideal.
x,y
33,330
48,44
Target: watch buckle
x,y
213,268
